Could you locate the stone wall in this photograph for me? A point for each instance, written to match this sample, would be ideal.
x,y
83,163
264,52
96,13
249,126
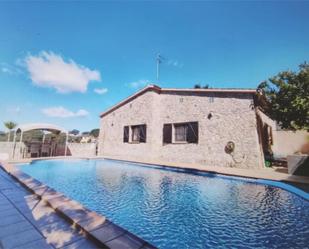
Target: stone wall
x,y
232,119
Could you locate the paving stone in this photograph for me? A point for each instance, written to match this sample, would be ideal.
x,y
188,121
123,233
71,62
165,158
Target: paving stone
x,y
82,244
12,229
40,190
60,234
74,211
26,207
38,244
94,222
44,215
5,207
6,185
8,212
107,233
4,201
58,201
33,183
4,174
50,193
12,219
15,195
20,239
148,246
125,242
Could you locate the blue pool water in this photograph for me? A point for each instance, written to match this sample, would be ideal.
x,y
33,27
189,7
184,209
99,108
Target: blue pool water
x,y
180,210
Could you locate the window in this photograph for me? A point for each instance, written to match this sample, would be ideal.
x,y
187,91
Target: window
x,y
139,133
167,133
135,133
183,132
192,134
126,134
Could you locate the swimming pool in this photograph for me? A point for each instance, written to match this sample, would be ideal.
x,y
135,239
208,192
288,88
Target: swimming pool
x,y
172,209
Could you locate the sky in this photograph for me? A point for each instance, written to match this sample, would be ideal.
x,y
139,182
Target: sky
x,y
66,62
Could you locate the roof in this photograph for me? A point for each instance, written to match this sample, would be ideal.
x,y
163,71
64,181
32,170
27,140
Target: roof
x,y
41,126
159,90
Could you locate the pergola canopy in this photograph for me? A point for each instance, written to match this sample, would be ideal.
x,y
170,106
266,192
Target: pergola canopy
x,y
41,126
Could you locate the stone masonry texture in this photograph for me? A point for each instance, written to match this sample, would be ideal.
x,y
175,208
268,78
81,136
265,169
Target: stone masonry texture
x,y
232,118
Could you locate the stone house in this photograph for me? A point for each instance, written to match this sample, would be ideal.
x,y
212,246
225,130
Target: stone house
x,y
214,127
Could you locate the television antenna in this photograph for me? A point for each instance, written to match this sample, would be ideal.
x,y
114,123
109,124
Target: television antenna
x,y
159,60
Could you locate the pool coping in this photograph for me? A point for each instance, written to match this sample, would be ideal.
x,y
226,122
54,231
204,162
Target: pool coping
x,y
106,233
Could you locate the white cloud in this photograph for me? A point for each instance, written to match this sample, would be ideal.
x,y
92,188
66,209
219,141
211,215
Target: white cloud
x,y
139,84
100,90
61,112
50,70
9,69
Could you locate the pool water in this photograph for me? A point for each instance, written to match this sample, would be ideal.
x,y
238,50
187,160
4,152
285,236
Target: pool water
x,y
180,210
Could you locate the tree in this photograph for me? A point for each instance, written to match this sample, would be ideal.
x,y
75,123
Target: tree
x,y
10,126
285,98
95,132
74,132
198,86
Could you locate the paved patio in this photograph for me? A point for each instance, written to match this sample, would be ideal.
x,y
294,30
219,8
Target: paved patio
x,y
27,222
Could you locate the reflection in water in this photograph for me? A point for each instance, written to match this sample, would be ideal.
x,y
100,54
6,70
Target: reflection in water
x,y
179,210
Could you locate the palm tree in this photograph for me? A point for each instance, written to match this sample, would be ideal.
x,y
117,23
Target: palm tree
x,y
10,126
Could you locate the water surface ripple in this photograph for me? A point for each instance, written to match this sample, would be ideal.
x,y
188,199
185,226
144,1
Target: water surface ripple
x,y
179,210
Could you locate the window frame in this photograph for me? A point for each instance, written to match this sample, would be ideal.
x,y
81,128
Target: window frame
x,y
126,134
135,129
190,136
135,134
180,132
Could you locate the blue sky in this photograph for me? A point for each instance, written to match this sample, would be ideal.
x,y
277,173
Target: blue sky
x,y
64,63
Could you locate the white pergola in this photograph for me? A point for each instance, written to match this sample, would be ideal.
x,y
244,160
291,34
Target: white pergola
x,y
40,126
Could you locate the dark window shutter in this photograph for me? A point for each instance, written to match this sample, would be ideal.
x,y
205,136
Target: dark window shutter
x,y
126,134
143,133
167,133
192,135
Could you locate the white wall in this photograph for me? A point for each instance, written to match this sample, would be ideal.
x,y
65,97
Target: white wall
x,y
289,142
76,149
6,150
285,142
82,150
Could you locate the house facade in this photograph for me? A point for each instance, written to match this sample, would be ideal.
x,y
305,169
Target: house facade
x,y
213,127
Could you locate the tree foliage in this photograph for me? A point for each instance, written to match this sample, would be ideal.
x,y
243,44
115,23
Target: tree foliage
x,y
285,98
74,132
95,132
10,125
198,86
